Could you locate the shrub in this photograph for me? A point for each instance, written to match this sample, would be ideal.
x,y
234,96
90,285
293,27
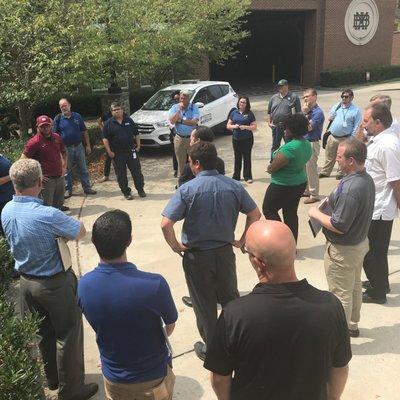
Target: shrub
x,y
12,148
347,77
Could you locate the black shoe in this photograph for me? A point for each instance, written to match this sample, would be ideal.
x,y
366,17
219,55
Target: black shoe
x,y
339,177
141,193
199,349
367,285
87,391
354,332
187,301
90,191
64,208
68,194
52,386
368,299
323,176
128,196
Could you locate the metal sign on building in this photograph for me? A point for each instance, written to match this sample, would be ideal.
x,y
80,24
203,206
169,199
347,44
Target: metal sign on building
x,y
361,21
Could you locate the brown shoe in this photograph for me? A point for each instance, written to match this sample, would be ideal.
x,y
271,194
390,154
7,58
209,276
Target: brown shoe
x,y
311,200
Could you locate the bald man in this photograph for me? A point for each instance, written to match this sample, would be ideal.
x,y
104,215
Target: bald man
x,y
284,340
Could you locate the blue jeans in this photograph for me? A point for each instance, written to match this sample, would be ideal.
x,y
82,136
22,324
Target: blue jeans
x,y
77,160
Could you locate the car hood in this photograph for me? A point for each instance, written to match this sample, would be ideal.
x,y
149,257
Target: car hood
x,y
149,116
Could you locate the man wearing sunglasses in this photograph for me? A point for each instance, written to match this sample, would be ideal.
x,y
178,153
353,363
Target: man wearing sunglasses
x,y
346,118
284,340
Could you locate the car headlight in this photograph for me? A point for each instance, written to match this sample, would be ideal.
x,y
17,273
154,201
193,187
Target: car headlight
x,y
161,124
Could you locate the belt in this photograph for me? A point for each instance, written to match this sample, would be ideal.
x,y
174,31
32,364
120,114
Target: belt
x,y
74,145
341,137
183,137
198,250
41,278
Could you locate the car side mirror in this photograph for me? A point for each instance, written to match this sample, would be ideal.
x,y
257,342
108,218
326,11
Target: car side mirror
x,y
199,104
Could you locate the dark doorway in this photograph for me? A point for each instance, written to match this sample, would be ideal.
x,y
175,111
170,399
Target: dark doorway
x,y
276,41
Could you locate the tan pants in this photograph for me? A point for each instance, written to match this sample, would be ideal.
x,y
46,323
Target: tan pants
x,y
181,146
330,154
343,266
158,389
312,171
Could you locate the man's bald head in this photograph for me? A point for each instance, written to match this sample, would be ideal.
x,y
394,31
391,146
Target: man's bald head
x,y
272,243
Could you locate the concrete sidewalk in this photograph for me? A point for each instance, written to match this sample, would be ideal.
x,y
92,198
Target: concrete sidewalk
x,y
376,354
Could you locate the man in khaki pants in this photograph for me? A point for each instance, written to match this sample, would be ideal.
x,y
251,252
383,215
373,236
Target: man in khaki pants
x,y
346,229
185,116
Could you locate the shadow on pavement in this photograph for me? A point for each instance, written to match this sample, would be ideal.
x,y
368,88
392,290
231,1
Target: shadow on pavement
x,y
314,252
187,388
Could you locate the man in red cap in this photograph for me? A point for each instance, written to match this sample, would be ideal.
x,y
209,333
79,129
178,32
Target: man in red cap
x,y
48,148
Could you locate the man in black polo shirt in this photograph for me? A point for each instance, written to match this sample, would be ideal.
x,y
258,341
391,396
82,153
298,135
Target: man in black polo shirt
x,y
122,143
286,340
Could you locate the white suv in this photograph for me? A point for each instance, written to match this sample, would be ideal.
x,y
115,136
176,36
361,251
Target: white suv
x,y
215,100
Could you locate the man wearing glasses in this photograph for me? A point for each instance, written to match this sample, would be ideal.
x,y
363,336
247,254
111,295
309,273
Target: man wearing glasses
x,y
346,118
122,143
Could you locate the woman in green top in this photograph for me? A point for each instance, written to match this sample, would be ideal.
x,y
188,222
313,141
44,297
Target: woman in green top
x,y
288,176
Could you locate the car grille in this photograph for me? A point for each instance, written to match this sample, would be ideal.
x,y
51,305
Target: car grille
x,y
145,129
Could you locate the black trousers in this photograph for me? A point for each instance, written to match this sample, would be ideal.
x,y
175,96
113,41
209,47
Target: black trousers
x,y
174,160
376,262
130,160
211,279
107,165
286,198
60,332
278,132
242,151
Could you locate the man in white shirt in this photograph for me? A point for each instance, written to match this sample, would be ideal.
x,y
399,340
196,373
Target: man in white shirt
x,y
383,164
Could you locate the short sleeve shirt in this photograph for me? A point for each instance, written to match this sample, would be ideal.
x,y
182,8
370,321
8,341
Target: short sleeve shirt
x,y
31,230
298,152
281,341
316,118
124,306
210,205
383,164
6,189
120,135
280,107
352,204
47,152
190,112
70,129
242,119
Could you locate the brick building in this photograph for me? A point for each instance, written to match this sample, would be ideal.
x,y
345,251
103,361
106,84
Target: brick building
x,y
297,39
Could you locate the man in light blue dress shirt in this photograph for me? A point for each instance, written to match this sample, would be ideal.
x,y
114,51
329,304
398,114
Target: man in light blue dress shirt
x,y
346,119
45,287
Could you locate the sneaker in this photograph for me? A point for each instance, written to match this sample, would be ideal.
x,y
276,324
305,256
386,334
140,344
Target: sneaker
x,y
142,193
200,350
90,191
376,300
128,196
104,179
187,301
354,332
64,208
249,181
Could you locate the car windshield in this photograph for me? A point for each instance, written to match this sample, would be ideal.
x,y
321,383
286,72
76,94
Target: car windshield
x,y
163,100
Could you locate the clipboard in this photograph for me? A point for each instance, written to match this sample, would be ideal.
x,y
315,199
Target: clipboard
x,y
65,253
325,208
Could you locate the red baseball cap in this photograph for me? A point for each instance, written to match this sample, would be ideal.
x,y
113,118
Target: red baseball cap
x,y
43,120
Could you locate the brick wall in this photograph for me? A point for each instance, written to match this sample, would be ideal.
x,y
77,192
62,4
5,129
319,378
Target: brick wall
x,y
339,52
396,49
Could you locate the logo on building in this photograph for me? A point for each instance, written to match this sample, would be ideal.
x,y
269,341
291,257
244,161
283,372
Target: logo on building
x,y
361,21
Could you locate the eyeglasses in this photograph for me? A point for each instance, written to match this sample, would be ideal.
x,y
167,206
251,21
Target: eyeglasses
x,y
345,96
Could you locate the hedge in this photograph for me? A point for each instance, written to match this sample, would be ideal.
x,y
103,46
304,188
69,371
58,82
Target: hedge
x,y
347,77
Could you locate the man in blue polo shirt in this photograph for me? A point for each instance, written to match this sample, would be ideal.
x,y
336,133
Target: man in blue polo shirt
x,y
316,119
126,307
210,205
45,287
6,187
70,126
346,119
184,115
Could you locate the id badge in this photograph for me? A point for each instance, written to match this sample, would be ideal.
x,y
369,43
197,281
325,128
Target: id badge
x,y
344,124
134,153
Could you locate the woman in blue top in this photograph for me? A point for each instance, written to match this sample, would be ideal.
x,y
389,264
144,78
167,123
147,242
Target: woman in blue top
x,y
242,123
